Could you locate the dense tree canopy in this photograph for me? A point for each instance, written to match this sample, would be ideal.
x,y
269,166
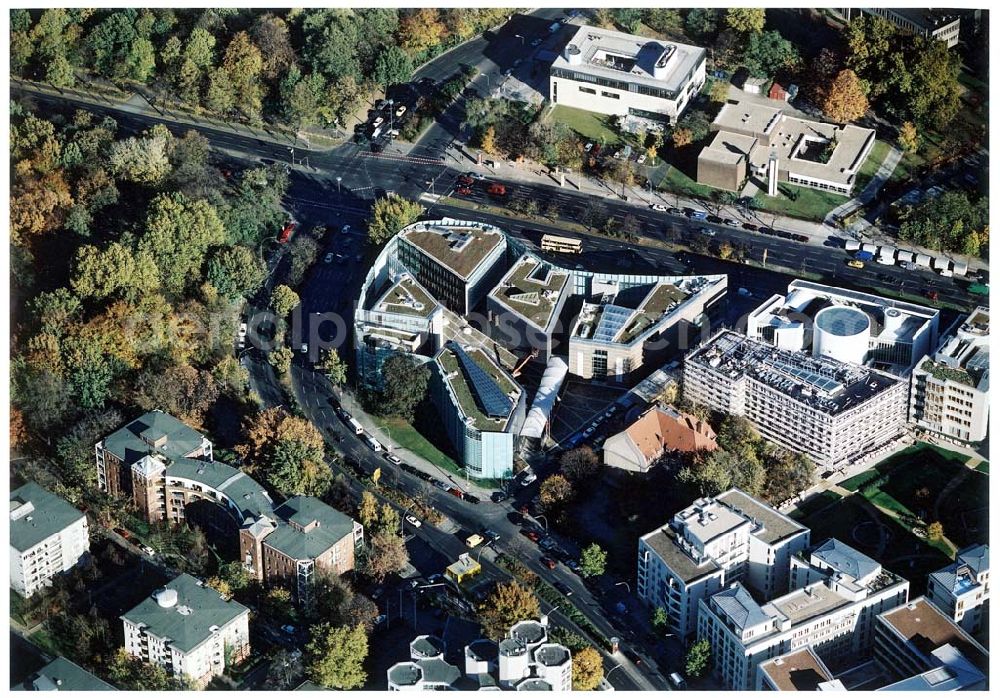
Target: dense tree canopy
x,y
508,603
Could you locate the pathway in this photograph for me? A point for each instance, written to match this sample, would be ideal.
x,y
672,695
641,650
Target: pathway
x,y
885,171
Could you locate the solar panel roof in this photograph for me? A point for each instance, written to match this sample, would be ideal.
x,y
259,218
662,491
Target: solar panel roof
x,y
613,319
488,395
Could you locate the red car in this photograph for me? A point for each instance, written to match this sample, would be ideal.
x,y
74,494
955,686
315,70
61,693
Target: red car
x,y
932,295
496,189
531,535
286,233
549,562
465,180
464,191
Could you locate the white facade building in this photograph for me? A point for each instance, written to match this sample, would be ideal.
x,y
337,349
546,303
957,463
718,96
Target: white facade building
x,y
610,72
833,412
47,537
189,630
712,543
962,589
949,392
834,616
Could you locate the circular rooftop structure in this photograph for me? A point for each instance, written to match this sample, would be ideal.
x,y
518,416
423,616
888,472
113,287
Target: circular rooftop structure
x,y
841,333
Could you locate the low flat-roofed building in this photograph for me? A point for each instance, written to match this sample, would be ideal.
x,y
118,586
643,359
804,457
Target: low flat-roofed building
x,y
189,629
809,153
943,25
48,536
62,675
849,326
610,72
463,568
833,412
724,162
622,326
710,544
799,670
658,431
907,637
524,308
962,589
482,408
949,391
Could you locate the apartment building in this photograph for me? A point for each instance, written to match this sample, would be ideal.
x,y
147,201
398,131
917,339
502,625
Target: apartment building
x,y
917,640
657,431
524,308
962,589
834,412
525,660
949,391
711,544
845,325
799,670
943,25
167,471
48,536
482,408
189,629
834,616
62,675
610,72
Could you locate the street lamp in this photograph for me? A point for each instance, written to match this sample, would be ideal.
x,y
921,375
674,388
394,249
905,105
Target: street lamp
x,y
291,152
544,521
338,185
391,103
489,82
627,587
414,590
519,36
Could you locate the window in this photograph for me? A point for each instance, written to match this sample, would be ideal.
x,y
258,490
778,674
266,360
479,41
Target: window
x,y
588,90
609,95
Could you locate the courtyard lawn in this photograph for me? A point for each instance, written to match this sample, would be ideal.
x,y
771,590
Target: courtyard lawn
x,y
874,161
592,127
801,202
814,503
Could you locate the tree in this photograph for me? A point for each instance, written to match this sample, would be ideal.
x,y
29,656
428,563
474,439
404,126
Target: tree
x,y
283,300
845,98
825,66
909,137
934,94
736,432
701,22
132,674
593,561
392,66
421,30
182,391
580,465
871,43
488,141
787,473
404,386
140,160
555,492
385,554
628,18
270,34
662,20
236,272
935,531
745,20
698,659
698,123
389,215
220,93
116,271
681,137
287,450
767,53
659,619
334,367
588,669
718,91
243,64
336,656
368,510
505,605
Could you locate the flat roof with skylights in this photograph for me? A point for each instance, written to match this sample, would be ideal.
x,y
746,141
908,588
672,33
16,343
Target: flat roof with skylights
x,y
532,289
484,392
459,248
407,297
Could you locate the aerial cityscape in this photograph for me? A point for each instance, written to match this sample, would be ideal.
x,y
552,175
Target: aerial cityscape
x,y
447,348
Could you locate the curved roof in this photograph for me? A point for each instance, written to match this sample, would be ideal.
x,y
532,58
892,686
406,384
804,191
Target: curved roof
x,y
843,321
548,390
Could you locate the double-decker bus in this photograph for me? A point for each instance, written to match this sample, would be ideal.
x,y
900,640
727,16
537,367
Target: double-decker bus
x,y
557,243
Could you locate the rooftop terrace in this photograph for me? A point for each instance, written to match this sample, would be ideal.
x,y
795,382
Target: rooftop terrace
x,y
532,290
459,248
407,297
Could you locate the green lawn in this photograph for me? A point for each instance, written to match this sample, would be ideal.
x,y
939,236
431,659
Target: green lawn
x,y
801,202
679,183
814,503
874,161
984,467
591,126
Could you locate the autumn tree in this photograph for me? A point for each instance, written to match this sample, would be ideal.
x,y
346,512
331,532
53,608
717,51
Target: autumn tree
x,y
271,35
283,300
141,160
488,141
681,137
336,656
935,531
384,554
823,69
389,215
183,391
421,30
909,137
288,451
745,20
508,603
845,98
243,64
588,669
555,492
580,465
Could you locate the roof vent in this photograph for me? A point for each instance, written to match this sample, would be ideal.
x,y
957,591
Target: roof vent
x,y
184,610
166,598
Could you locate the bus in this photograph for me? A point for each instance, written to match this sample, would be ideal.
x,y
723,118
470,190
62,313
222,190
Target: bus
x,y
356,425
557,243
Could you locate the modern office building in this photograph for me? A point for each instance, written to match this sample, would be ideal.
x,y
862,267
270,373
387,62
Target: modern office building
x,y
457,263
624,324
836,413
849,326
918,640
482,408
753,138
943,25
658,431
962,589
834,616
524,308
524,660
622,74
189,629
62,675
711,544
166,469
48,536
949,391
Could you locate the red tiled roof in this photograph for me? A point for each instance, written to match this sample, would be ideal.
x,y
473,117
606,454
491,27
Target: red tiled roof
x,y
658,431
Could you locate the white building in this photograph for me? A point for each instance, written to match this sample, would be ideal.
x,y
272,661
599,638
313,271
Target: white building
x,y
47,537
845,325
711,544
962,589
949,392
834,616
943,25
836,413
189,630
611,72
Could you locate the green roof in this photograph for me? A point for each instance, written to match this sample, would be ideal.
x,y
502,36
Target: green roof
x,y
41,515
189,622
527,284
63,675
467,403
298,513
128,442
402,296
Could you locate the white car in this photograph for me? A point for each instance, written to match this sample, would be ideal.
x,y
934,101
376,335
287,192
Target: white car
x,y
507,73
641,159
328,258
243,330
476,175
378,122
528,479
658,207
400,111
304,348
393,459
149,551
413,520
346,229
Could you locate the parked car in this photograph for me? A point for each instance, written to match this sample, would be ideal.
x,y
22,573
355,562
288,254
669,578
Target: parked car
x,y
471,498
641,159
491,535
395,460
548,562
413,520
531,535
498,497
475,175
855,264
572,564
149,551
290,629
750,226
707,231
474,540
400,110
328,258
528,479
658,207
496,189
732,222
463,191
